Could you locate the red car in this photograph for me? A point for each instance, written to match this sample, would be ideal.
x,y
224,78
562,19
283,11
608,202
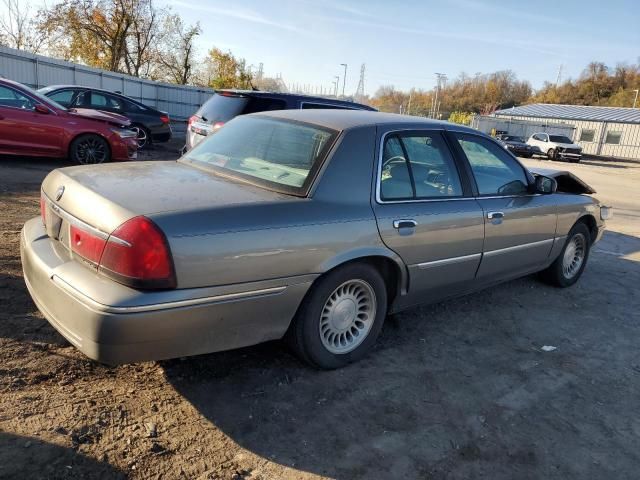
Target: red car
x,y
34,125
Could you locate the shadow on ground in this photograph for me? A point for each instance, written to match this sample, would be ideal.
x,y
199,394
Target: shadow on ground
x,y
457,389
23,457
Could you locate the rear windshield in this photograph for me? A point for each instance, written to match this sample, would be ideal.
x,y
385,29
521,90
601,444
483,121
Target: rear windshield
x,y
220,108
559,139
277,154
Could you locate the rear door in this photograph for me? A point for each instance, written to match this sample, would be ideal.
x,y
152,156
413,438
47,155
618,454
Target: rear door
x,y
426,213
520,226
23,131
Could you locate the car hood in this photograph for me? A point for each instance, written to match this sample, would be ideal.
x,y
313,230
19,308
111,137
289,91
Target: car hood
x,y
566,145
107,117
567,181
106,195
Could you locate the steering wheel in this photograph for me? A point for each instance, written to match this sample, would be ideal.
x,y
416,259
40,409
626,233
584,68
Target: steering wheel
x,y
389,161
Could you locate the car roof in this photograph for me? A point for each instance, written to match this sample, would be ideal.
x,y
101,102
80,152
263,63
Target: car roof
x,y
297,96
347,119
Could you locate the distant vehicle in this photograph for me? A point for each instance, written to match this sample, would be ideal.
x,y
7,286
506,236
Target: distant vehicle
x,y
34,125
150,125
516,145
308,225
227,104
555,147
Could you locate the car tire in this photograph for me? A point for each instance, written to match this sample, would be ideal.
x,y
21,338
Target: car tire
x,y
342,305
568,267
143,136
89,149
551,154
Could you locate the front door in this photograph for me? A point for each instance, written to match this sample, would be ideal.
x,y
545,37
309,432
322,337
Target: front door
x,y
23,130
520,226
426,214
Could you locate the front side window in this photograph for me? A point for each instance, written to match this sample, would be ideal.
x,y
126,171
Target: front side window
x,y
613,138
418,166
276,154
587,135
495,171
12,98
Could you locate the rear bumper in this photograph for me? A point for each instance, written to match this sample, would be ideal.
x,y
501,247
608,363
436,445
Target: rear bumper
x,y
114,324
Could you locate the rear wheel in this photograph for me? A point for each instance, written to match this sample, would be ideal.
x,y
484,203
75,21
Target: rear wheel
x,y
89,149
568,267
340,318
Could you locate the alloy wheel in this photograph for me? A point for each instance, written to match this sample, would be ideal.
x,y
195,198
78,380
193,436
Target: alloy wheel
x,y
91,150
574,255
141,136
347,316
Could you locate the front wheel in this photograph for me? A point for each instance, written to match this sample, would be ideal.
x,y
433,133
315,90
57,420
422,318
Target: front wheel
x,y
143,136
551,154
340,318
568,267
89,149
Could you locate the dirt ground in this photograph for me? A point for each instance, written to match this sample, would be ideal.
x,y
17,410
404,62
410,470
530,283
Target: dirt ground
x,y
460,389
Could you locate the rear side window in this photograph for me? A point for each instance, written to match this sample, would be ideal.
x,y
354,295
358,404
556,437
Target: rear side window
x,y
308,105
418,166
260,104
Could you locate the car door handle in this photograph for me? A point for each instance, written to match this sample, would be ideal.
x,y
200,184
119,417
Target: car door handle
x,y
404,223
495,215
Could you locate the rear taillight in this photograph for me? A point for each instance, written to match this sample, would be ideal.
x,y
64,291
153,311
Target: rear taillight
x,y
43,209
86,244
192,119
137,254
164,118
217,125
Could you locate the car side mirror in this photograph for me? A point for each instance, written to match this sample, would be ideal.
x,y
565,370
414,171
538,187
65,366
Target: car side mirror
x,y
41,109
545,185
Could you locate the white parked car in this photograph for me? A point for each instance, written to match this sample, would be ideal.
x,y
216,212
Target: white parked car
x,y
555,147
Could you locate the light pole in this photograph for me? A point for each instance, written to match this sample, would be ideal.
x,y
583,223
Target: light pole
x,y
344,77
335,87
636,97
337,82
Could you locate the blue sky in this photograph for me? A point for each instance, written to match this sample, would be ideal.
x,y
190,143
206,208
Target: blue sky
x,y
404,43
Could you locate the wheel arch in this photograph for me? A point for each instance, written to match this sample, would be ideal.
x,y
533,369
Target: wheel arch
x,y
393,270
590,221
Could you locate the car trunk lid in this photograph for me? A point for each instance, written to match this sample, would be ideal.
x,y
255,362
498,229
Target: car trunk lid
x,y
105,196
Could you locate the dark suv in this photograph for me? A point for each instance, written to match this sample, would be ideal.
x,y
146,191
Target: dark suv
x,y
151,125
227,104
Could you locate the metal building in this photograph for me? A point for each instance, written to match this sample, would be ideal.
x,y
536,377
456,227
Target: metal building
x,y
604,131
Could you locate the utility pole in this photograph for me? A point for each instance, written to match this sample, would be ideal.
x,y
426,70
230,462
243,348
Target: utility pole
x,y
344,77
335,87
408,112
337,82
636,97
435,103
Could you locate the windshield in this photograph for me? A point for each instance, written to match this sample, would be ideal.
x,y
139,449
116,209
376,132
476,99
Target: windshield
x,y
276,154
559,139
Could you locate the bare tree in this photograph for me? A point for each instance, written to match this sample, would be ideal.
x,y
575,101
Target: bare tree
x,y
177,56
17,27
